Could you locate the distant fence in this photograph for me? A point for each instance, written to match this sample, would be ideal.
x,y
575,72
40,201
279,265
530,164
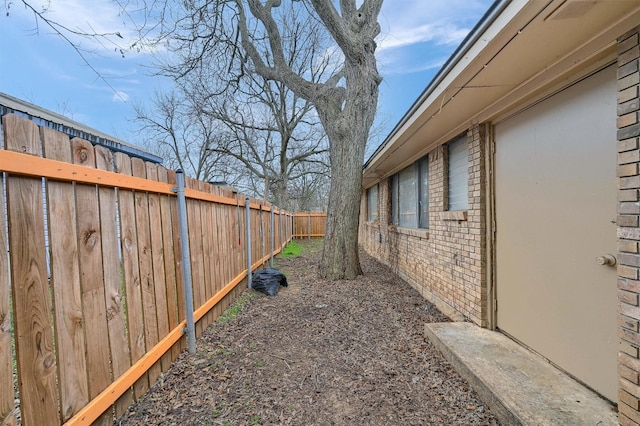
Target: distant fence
x,y
309,225
92,291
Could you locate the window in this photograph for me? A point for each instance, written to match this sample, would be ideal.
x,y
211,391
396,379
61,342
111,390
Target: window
x,y
423,198
410,196
458,174
372,203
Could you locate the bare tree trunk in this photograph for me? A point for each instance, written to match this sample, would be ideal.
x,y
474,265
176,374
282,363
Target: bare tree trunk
x,y
348,131
340,253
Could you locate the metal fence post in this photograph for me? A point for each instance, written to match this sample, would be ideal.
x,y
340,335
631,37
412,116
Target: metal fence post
x,y
186,262
273,237
247,205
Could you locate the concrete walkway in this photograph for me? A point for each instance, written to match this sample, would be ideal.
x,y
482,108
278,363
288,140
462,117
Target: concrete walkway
x,y
520,387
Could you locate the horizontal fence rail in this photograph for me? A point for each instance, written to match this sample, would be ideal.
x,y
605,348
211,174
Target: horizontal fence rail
x,y
309,225
92,300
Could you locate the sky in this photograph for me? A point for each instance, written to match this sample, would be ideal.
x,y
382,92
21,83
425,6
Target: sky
x,y
39,67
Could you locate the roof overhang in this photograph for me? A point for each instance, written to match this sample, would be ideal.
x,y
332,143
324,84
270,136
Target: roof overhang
x,y
524,52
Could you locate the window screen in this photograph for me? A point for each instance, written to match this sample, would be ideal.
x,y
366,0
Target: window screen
x,y
372,203
408,193
394,200
458,174
410,196
423,166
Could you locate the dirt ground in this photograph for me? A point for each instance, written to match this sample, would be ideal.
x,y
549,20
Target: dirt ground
x,y
318,353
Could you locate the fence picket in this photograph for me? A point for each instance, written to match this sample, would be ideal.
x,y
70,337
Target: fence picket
x,y
34,341
195,247
218,268
113,279
207,247
157,252
145,260
7,397
65,282
92,275
131,272
177,250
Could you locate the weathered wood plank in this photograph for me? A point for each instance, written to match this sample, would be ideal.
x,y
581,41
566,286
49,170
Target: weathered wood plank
x,y
195,250
207,245
65,281
177,250
145,258
7,398
34,341
113,279
226,233
157,254
169,260
131,272
92,275
217,243
223,256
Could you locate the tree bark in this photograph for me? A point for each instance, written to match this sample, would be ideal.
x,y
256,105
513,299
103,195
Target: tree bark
x,y
346,104
348,131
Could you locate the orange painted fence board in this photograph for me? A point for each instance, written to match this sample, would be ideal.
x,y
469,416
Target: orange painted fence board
x,y
110,296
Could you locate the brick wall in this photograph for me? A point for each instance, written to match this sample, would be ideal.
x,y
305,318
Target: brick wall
x,y
628,228
445,263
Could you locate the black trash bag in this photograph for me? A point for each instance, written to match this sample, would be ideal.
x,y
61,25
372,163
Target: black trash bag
x,y
268,281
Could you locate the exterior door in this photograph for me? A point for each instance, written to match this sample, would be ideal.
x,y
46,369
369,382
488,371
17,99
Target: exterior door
x,y
555,215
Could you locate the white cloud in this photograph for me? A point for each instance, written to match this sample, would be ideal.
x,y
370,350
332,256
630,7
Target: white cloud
x,y
412,31
438,33
120,96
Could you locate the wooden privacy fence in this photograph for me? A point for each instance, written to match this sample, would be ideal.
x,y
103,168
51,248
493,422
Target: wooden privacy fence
x,y
91,291
308,225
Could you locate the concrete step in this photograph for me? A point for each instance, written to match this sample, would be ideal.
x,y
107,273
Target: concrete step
x,y
519,386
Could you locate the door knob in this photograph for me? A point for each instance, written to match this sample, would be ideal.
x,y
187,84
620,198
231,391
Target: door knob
x,y
606,260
